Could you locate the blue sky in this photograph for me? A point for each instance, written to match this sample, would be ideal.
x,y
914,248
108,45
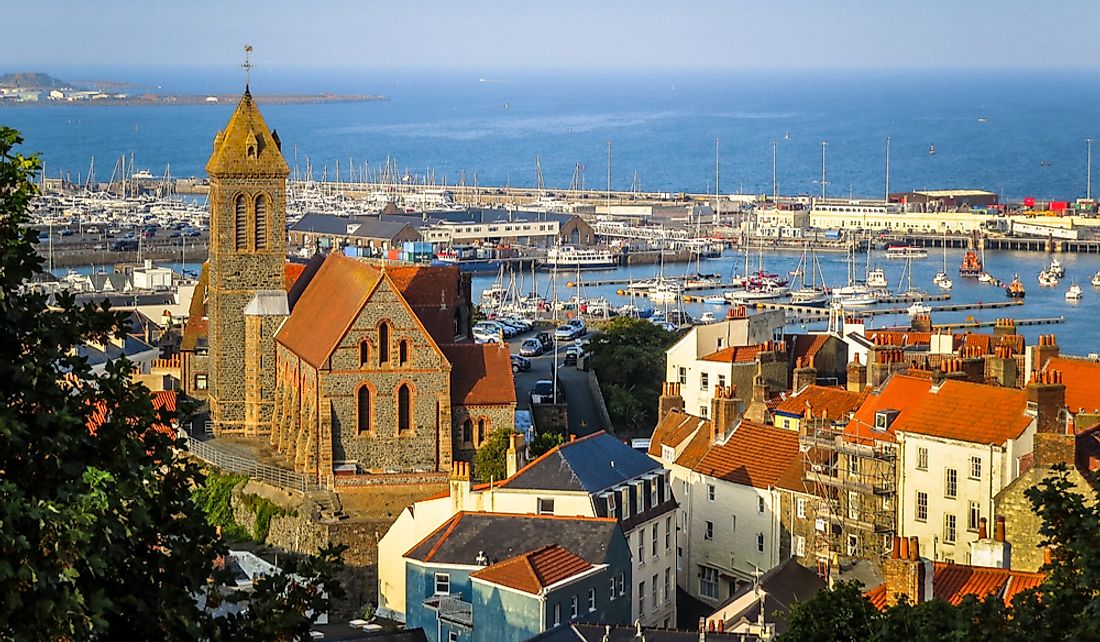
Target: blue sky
x,y
560,34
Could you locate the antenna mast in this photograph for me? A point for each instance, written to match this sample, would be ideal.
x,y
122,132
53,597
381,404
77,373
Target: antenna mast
x,y
247,66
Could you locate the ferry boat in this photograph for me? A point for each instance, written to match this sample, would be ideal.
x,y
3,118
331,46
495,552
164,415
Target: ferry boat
x,y
1056,270
1096,279
906,252
971,265
1074,293
1047,280
1015,289
568,257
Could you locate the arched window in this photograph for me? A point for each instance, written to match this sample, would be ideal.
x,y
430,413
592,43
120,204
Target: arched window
x,y
241,223
481,431
467,431
362,409
402,352
261,222
458,323
383,343
404,409
364,353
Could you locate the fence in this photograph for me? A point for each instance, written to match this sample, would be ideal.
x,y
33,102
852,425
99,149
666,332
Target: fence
x,y
229,462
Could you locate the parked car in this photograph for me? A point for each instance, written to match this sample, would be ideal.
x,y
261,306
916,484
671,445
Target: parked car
x,y
531,348
582,329
564,332
543,392
545,339
484,336
520,363
572,354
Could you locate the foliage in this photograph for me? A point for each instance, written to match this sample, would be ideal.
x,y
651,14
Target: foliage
x,y
263,510
1066,606
544,442
214,497
629,357
489,461
99,536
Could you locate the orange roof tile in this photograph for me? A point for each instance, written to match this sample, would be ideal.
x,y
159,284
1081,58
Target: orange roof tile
x,y
900,392
734,354
899,337
953,582
697,448
535,570
836,403
480,374
1082,380
806,345
673,429
966,411
328,307
754,455
291,272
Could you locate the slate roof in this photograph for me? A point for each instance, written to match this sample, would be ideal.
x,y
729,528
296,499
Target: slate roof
x,y
1082,380
783,585
966,411
533,571
131,346
753,455
480,374
368,227
590,464
500,536
953,582
579,632
835,402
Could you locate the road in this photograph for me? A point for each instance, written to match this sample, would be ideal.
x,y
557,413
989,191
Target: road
x,y
584,417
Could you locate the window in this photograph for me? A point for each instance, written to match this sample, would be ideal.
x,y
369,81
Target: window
x,y
709,532
200,382
241,223
442,583
853,504
951,484
759,542
922,458
683,376
708,582
799,546
545,506
402,352
573,607
641,597
853,465
703,411
653,599
679,558
668,533
467,431
261,222
452,636
922,506
949,529
975,468
404,409
626,503
362,409
364,354
641,546
611,508
481,431
383,343
653,500
710,492
853,545
973,516
801,508
591,599
722,381
704,380
760,505
611,588
733,523
622,584
667,452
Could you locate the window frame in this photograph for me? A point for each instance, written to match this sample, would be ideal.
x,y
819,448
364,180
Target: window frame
x,y
950,527
442,579
950,483
708,582
922,458
591,600
708,531
920,512
975,467
540,507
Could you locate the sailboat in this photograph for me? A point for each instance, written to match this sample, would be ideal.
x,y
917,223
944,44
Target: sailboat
x,y
810,293
907,277
856,293
941,279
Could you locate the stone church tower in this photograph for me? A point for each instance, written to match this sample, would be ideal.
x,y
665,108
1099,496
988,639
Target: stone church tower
x,y
246,297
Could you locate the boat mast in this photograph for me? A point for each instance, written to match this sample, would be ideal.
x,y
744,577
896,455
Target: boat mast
x,y
775,185
824,144
887,197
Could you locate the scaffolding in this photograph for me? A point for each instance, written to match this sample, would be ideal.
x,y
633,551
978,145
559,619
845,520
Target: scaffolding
x,y
852,479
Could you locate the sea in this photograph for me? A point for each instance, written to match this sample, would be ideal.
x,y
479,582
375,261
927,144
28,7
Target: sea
x,y
1017,133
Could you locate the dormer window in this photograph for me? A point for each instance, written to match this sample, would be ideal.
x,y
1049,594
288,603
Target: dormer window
x,y
885,418
251,153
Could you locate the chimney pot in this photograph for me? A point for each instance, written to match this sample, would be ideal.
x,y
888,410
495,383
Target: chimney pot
x,y
999,529
914,549
903,552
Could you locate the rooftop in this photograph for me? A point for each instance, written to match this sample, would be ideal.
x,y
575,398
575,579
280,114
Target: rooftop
x,y
901,393
753,455
953,582
734,354
966,411
834,403
535,570
481,374
589,464
1082,380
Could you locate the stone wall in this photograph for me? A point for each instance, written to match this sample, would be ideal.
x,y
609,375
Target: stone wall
x,y
494,417
1021,523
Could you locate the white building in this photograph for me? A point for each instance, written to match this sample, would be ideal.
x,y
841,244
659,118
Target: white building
x,y
879,215
594,476
148,277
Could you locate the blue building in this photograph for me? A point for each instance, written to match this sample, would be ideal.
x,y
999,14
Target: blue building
x,y
491,576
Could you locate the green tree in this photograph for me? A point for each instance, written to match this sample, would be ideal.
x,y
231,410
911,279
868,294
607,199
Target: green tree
x,y
629,357
489,462
1066,606
544,442
99,536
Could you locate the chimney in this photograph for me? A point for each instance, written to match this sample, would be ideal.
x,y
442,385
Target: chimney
x,y
857,375
514,458
1002,366
907,573
669,400
921,323
723,412
994,551
757,409
805,373
1043,351
1054,441
459,484
1004,328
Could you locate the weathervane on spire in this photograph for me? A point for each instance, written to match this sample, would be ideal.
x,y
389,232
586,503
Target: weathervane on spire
x,y
247,66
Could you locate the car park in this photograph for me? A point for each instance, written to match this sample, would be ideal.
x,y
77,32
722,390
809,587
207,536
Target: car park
x,y
531,348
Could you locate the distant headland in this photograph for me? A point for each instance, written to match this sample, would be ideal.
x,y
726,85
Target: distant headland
x,y
40,89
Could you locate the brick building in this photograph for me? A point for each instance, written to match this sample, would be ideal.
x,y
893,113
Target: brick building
x,y
340,363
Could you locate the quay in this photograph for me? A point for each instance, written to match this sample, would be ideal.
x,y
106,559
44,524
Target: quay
x,y
812,312
990,324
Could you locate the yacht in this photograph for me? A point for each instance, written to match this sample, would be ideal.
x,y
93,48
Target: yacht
x,y
765,292
986,277
855,299
876,279
568,257
941,279
918,308
1056,270
707,317
1074,293
1047,280
810,293
716,299
666,291
906,252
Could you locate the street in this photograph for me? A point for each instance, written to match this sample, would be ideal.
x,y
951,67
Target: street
x,y
584,417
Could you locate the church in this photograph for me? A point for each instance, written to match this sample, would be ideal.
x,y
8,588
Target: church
x,y
342,365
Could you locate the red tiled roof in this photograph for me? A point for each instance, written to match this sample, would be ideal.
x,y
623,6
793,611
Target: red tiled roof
x,y
953,582
328,307
901,393
806,345
291,272
734,354
966,411
899,337
836,403
433,293
985,343
165,400
754,455
1082,380
480,374
673,429
697,448
535,570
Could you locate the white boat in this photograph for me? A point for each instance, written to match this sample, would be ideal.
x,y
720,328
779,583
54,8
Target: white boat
x,y
1047,280
809,296
707,317
986,277
765,293
876,279
715,299
568,257
918,308
855,299
1056,270
906,252
943,281
666,292
1096,279
1074,293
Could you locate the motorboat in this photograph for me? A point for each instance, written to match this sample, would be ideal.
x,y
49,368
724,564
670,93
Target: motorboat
x,y
707,317
986,277
906,252
1047,280
1074,293
876,279
1056,269
1096,279
1015,288
941,279
715,299
918,308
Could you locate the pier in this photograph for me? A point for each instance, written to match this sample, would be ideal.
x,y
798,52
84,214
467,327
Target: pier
x,y
812,313
989,324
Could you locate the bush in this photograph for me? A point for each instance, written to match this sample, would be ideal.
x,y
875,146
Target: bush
x,y
214,497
